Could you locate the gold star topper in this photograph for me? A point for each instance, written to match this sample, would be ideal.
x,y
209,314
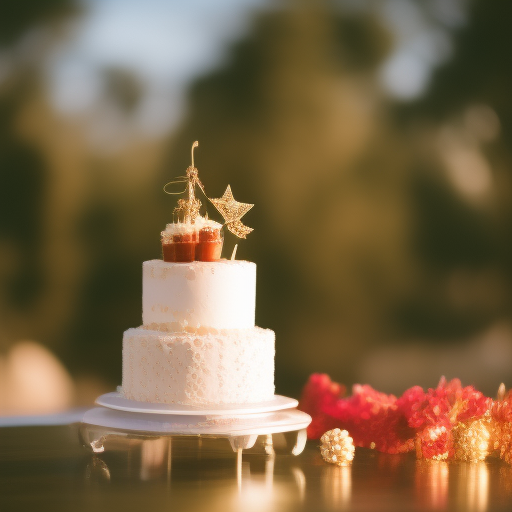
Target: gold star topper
x,y
232,211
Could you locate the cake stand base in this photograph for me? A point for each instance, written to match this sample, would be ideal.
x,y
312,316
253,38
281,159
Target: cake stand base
x,y
119,402
240,424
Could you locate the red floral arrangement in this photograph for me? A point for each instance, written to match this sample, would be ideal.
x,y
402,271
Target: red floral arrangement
x,y
449,421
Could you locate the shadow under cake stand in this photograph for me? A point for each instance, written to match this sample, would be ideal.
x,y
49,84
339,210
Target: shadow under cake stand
x,y
241,424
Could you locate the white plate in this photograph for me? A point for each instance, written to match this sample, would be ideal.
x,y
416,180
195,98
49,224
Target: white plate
x,y
279,421
118,402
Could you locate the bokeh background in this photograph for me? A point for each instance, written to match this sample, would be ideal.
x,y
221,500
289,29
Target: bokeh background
x,y
374,137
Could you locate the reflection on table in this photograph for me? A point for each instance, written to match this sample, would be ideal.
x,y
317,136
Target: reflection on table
x,y
188,473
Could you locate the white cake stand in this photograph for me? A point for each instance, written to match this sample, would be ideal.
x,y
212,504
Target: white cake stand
x,y
242,424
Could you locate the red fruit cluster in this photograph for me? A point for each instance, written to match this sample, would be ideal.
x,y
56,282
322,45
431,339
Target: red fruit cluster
x,y
418,419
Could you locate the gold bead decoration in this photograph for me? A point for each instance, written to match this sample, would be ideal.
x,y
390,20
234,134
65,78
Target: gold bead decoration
x,y
504,445
501,430
337,447
472,439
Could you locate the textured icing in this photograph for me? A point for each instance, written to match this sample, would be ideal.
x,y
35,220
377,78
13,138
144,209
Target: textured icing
x,y
218,295
230,366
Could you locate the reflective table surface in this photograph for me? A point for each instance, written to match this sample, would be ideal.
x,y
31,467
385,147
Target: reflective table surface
x,y
47,468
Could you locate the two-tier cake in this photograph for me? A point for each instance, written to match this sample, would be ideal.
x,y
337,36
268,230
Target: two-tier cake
x,y
198,343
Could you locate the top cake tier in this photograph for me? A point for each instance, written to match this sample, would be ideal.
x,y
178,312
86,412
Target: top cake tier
x,y
199,294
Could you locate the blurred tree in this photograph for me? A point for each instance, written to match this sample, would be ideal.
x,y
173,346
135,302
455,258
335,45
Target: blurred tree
x,y
296,124
23,169
123,88
73,220
462,190
22,189
374,220
16,18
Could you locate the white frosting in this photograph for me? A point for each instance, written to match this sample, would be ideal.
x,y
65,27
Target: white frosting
x,y
201,223
231,366
182,228
187,227
179,228
199,294
198,344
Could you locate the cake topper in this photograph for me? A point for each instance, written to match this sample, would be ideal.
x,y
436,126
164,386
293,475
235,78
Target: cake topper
x,y
188,209
232,211
194,237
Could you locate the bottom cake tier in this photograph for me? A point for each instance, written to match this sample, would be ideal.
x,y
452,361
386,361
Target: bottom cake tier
x,y
230,366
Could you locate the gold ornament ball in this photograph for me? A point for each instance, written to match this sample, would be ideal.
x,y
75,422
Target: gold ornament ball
x,y
337,447
472,440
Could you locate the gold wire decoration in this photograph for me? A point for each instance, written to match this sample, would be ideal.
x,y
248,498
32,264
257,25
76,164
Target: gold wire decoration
x,y
232,211
188,209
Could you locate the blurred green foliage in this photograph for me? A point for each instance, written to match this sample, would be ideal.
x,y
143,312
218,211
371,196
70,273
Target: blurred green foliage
x,y
362,236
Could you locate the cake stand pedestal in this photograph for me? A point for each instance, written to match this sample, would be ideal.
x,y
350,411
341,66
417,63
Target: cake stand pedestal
x,y
241,424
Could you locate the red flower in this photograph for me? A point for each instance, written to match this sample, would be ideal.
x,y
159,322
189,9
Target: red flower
x,y
373,420
435,412
410,404
501,433
501,409
318,393
435,442
447,404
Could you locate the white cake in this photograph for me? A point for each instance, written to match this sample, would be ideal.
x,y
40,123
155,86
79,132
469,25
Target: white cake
x,y
200,294
198,343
